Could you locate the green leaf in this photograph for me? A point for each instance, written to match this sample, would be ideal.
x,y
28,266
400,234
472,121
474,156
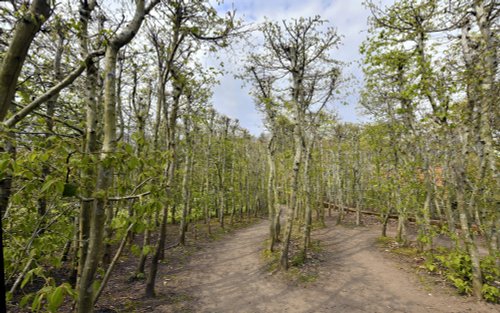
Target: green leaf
x,y
148,249
24,301
56,299
129,149
27,278
49,184
4,164
25,96
133,163
9,296
44,157
70,190
69,290
135,250
96,285
37,302
60,187
139,228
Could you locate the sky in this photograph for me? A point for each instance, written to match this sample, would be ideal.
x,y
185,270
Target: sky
x,y
349,17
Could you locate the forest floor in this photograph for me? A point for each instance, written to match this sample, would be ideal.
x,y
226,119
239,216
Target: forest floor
x,y
355,274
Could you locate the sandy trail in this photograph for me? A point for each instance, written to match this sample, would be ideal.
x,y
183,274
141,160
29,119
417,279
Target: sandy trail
x,y
229,276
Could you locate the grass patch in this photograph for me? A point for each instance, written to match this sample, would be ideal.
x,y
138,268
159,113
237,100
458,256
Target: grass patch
x,y
425,282
270,258
385,241
303,269
308,277
301,275
406,251
297,260
316,246
129,306
179,297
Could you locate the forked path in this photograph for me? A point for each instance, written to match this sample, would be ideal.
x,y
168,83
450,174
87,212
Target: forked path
x,y
229,276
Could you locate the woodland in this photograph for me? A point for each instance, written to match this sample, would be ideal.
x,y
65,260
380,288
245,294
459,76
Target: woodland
x,y
109,140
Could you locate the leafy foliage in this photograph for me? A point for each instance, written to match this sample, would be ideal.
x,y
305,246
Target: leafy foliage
x,y
457,267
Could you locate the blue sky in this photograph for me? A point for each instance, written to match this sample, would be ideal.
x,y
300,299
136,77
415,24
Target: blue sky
x,y
348,16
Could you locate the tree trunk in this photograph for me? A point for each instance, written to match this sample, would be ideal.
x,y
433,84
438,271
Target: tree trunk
x,y
160,244
385,221
477,278
90,140
112,264
208,155
293,197
307,188
271,192
104,182
489,47
105,173
170,175
105,169
425,236
13,60
146,241
222,176
185,182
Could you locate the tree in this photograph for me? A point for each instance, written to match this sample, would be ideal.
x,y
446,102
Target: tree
x,y
263,94
105,169
298,51
192,24
414,88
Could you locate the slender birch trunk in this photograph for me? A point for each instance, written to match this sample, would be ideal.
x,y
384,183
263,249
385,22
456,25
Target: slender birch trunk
x,y
105,168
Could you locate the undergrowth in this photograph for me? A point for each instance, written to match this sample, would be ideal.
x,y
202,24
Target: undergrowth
x,y
302,269
454,265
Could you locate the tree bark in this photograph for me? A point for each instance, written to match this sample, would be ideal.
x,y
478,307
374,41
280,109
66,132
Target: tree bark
x,y
146,240
90,141
477,278
105,168
186,182
160,244
208,155
169,174
13,61
308,196
104,182
271,192
297,159
293,197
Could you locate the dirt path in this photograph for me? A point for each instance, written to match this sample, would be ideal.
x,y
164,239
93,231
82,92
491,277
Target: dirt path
x,y
229,276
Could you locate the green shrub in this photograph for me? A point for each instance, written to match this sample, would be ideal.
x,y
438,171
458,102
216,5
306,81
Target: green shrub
x,y
298,260
490,293
457,266
491,279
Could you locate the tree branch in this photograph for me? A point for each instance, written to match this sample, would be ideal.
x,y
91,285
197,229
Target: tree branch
x,y
129,197
70,78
